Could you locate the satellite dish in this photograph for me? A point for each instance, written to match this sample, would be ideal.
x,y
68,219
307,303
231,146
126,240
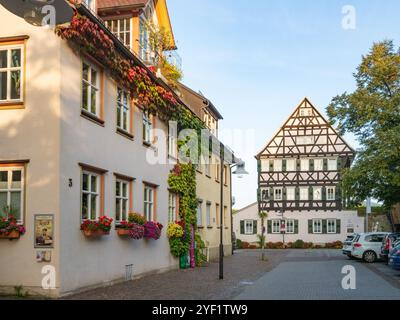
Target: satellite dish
x,y
31,10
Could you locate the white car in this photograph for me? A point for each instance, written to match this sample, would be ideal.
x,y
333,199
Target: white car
x,y
367,246
347,245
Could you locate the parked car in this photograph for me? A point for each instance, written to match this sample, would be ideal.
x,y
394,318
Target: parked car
x,y
347,245
367,246
394,257
388,244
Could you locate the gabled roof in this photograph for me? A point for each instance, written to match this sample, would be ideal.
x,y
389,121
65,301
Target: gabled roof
x,y
247,207
312,119
197,101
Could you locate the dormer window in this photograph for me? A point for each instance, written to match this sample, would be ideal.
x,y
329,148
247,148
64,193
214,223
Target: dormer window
x,y
121,28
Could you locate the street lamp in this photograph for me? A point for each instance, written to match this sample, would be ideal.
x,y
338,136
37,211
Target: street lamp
x,y
240,171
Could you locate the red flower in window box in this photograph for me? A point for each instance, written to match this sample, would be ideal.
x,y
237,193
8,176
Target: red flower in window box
x,y
97,228
10,229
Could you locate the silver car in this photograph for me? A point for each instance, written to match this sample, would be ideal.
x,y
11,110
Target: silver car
x,y
367,246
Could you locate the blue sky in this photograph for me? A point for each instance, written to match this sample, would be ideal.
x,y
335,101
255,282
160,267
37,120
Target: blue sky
x,y
256,60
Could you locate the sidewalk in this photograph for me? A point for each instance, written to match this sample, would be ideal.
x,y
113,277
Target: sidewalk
x,y
241,269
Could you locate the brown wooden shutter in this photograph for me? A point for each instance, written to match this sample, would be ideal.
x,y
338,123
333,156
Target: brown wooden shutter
x,y
255,227
310,226
338,226
269,227
296,226
324,226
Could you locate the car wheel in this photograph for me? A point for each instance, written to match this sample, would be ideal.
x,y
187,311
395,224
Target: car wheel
x,y
369,256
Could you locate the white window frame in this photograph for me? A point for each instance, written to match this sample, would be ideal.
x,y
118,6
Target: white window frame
x,y
333,189
123,106
304,164
318,164
124,35
144,41
278,191
290,225
291,165
122,199
172,207
248,227
304,191
278,167
331,231
199,213
276,226
332,165
317,226
148,202
172,141
315,189
291,193
208,213
264,165
8,69
91,194
10,189
147,127
91,87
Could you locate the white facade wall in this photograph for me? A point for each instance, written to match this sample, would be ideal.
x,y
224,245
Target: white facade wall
x,y
349,220
51,133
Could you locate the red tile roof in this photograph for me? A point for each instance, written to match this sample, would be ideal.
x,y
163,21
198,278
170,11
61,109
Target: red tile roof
x,y
101,4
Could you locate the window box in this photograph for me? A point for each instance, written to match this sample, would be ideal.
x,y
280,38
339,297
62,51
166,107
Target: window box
x,y
9,229
99,228
133,229
152,230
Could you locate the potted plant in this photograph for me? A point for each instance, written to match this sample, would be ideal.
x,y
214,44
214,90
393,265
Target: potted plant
x,y
9,228
97,228
152,230
124,228
133,228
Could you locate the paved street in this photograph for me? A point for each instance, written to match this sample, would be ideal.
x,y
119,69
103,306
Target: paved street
x,y
316,274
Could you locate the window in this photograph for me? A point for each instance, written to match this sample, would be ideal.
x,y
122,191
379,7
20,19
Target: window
x,y
172,140
332,164
172,207
217,171
303,194
318,164
208,166
147,127
278,165
121,200
276,226
264,165
304,164
248,227
291,194
208,214
278,194
12,192
291,165
11,75
144,51
123,110
217,214
200,213
149,203
330,193
317,193
331,226
121,28
264,194
290,226
90,208
90,89
317,226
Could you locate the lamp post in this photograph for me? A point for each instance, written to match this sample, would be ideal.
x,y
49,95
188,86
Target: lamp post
x,y
240,171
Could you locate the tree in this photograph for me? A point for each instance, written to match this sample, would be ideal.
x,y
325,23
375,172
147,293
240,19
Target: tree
x,y
263,215
372,114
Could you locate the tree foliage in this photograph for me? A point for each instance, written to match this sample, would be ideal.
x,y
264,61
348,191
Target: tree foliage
x,y
372,114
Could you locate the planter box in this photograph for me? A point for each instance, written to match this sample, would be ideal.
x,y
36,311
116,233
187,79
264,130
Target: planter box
x,y
94,234
123,232
11,236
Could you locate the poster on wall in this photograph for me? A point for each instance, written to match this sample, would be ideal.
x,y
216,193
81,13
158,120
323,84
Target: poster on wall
x,y
43,256
44,231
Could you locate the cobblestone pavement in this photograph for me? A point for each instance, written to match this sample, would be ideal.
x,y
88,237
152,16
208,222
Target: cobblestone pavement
x,y
241,270
316,275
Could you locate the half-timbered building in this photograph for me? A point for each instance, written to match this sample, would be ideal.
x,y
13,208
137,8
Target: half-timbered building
x,y
299,174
